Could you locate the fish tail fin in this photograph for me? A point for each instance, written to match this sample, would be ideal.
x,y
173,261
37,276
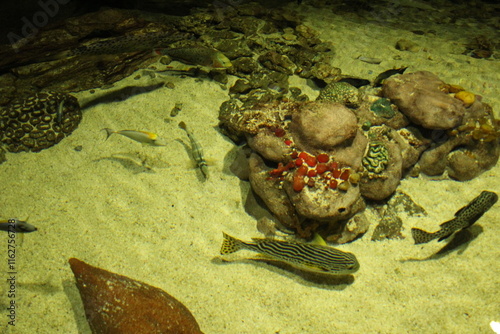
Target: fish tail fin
x,y
183,126
421,236
109,132
230,244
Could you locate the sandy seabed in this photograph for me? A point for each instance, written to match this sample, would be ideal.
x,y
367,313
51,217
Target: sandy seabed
x,y
162,225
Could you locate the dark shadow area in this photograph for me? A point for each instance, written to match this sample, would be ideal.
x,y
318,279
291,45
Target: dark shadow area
x,y
74,298
130,162
306,278
121,94
458,242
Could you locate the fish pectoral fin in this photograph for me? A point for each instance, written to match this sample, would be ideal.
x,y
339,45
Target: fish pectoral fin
x,y
445,236
318,240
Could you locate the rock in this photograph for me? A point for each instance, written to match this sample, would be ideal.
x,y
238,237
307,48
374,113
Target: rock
x,y
422,97
391,225
388,228
277,62
352,229
271,193
463,166
351,152
411,144
371,112
269,146
118,304
323,204
324,124
406,45
327,73
433,161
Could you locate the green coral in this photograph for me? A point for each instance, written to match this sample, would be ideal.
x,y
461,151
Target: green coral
x,y
376,158
383,108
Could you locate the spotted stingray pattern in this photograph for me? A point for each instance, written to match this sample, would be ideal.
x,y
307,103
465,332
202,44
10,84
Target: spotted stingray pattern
x,y
39,122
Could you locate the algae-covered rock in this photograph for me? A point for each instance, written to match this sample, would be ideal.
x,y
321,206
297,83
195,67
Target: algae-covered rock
x,y
324,124
422,97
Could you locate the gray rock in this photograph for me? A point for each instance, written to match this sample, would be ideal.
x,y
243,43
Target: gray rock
x,y
421,97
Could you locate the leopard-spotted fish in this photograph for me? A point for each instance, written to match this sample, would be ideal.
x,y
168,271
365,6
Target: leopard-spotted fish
x,y
198,56
121,44
196,151
464,218
310,257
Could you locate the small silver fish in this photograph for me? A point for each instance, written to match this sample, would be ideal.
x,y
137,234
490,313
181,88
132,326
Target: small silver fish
x,y
16,225
464,218
143,137
311,257
196,151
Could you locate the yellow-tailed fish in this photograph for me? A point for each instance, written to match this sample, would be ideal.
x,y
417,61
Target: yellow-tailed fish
x,y
198,56
143,137
196,151
311,257
464,218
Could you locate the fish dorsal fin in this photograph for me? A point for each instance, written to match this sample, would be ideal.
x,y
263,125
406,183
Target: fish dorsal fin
x,y
447,222
460,210
318,240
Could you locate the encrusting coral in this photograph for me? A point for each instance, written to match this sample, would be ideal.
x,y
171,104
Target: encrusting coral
x,y
315,162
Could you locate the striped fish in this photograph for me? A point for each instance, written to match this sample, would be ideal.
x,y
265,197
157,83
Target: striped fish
x,y
310,257
464,218
196,151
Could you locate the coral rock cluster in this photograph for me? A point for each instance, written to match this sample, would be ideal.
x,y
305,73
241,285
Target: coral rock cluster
x,y
314,163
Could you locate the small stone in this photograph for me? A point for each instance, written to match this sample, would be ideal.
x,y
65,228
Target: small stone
x,y
406,45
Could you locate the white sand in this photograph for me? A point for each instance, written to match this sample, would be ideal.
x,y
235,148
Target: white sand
x,y
163,226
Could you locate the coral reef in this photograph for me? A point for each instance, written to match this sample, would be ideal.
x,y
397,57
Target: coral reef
x,y
314,163
39,122
118,304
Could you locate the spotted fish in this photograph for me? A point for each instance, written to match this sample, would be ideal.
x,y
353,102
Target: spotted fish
x,y
310,257
464,218
121,44
196,151
198,56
